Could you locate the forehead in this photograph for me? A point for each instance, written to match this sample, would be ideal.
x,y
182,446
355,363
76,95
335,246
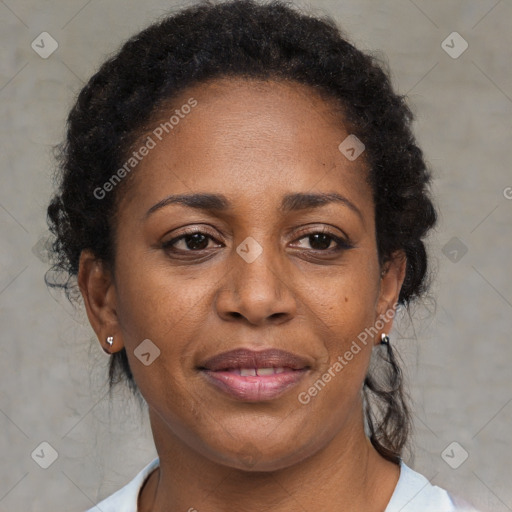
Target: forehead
x,y
247,138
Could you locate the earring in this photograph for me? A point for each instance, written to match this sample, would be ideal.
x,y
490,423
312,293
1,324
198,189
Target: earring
x,y
110,341
384,339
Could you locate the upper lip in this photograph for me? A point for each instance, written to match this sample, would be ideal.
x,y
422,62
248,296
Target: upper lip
x,y
246,358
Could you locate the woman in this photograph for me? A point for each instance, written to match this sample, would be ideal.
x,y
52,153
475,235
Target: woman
x,y
243,205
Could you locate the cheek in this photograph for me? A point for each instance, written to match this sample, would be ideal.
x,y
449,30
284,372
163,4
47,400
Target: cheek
x,y
153,302
158,304
151,306
343,308
344,303
336,388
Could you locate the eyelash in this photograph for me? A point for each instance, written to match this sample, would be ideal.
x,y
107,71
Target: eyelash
x,y
342,244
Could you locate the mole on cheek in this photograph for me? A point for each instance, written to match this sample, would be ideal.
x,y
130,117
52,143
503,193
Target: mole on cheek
x,y
346,299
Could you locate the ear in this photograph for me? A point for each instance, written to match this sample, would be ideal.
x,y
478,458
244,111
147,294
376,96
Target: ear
x,y
98,290
391,280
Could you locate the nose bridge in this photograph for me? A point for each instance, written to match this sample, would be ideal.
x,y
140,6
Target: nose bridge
x,y
256,265
256,287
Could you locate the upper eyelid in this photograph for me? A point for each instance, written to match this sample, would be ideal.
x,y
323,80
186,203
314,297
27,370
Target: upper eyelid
x,y
305,231
309,228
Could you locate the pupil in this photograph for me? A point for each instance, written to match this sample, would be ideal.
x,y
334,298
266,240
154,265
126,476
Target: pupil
x,y
196,241
313,239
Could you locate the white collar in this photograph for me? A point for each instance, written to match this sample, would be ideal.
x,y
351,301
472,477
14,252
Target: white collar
x,y
413,493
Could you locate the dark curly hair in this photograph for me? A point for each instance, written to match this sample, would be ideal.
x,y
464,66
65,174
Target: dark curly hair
x,y
271,41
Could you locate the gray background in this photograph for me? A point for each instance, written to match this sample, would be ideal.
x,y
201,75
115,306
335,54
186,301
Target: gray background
x,y
458,348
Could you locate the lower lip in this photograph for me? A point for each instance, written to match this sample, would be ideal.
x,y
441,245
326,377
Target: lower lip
x,y
254,388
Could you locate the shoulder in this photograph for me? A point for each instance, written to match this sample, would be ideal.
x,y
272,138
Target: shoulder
x,y
125,499
414,493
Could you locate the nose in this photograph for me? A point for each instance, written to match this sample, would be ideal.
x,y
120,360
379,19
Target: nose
x,y
257,293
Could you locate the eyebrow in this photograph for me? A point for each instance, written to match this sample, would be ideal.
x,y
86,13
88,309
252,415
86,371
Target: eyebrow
x,y
218,202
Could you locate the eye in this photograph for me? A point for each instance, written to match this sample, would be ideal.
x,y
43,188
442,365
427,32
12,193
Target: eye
x,y
195,241
191,241
325,241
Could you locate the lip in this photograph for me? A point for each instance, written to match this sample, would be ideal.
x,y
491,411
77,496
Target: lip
x,y
223,372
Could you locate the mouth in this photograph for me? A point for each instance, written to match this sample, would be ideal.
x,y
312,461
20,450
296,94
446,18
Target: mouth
x,y
254,376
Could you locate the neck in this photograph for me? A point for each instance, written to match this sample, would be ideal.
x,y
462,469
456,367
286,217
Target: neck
x,y
348,474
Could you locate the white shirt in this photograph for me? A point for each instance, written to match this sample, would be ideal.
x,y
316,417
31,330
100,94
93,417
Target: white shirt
x,y
413,493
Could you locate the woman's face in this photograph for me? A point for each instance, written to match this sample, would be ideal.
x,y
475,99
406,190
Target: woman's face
x,y
256,277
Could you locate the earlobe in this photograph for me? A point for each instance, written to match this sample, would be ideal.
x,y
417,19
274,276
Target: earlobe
x,y
391,280
98,291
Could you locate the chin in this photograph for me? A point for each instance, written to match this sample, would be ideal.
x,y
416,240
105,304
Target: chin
x,y
262,454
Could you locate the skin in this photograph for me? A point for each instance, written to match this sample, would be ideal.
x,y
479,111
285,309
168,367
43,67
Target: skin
x,y
254,142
